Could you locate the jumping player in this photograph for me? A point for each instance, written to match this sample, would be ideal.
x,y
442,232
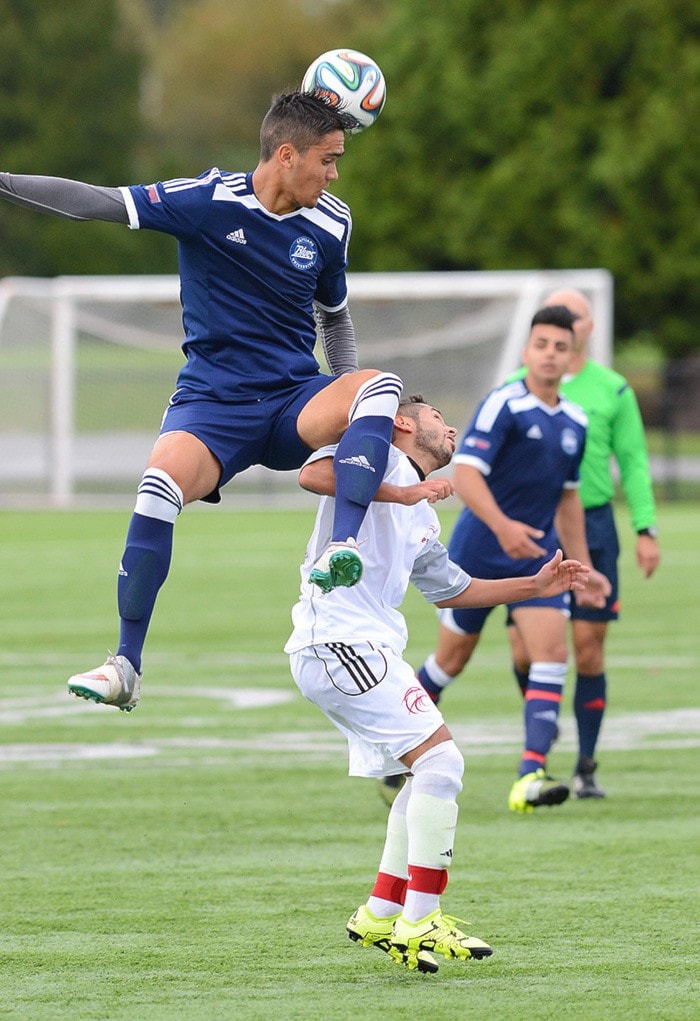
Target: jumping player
x,y
259,254
517,466
346,656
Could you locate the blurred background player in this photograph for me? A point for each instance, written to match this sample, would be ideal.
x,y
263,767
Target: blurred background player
x,y
615,429
346,656
518,466
259,255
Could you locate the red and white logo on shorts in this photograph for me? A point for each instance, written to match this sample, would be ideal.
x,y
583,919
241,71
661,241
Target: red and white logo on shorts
x,y
417,700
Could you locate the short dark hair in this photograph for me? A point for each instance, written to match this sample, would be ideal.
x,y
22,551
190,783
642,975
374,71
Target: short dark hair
x,y
554,315
410,405
302,118
413,399
409,401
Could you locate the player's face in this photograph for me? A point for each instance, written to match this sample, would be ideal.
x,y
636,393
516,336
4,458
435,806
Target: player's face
x,y
434,437
313,171
547,353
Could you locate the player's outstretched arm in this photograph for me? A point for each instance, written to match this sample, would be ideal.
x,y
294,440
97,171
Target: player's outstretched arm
x,y
319,478
71,200
557,575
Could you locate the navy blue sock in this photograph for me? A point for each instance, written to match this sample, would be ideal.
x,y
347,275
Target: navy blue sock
x,y
359,463
521,679
541,713
144,568
589,706
433,689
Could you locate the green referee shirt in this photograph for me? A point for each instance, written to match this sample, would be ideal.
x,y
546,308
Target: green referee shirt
x,y
614,429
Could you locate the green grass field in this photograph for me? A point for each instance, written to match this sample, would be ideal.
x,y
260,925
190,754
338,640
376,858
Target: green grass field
x,y
198,858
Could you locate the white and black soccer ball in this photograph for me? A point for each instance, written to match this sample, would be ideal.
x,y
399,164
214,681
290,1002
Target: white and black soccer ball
x,y
352,81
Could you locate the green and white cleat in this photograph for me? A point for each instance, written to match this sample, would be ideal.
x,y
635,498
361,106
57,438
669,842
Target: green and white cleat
x,y
367,930
340,565
437,933
536,789
114,683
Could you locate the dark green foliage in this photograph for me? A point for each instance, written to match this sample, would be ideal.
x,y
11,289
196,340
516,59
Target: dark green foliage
x,y
69,107
539,134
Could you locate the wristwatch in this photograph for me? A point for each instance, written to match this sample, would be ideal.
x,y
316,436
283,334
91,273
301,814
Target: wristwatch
x,y
652,530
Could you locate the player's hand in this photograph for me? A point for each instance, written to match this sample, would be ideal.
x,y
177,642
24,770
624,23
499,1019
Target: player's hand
x,y
517,540
431,490
597,591
648,554
559,575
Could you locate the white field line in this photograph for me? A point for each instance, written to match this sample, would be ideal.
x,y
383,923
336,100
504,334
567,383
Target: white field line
x,y
668,729
68,661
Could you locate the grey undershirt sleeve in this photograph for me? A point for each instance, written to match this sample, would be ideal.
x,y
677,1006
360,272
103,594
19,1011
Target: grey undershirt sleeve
x,y
72,200
338,339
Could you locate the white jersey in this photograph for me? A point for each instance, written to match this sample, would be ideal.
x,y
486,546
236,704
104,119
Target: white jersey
x,y
398,545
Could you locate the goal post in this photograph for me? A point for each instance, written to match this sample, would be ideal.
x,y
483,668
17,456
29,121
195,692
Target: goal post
x,y
90,362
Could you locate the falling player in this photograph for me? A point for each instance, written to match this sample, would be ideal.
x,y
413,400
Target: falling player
x,y
346,656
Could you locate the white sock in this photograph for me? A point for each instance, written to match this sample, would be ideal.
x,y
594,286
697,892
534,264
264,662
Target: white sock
x,y
394,861
431,820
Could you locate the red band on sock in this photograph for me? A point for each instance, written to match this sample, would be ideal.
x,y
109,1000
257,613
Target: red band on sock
x,y
596,703
426,880
535,756
546,696
391,888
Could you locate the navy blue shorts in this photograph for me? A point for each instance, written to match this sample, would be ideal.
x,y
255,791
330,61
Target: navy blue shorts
x,y
242,435
604,547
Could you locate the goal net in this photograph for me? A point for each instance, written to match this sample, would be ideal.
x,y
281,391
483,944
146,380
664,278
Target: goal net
x,y
90,362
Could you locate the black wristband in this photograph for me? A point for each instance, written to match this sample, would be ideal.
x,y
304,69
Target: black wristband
x,y
652,531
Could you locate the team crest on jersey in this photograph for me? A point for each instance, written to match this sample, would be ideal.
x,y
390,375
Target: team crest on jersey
x,y
303,254
569,441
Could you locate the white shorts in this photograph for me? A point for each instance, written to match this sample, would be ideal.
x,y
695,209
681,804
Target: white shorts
x,y
373,697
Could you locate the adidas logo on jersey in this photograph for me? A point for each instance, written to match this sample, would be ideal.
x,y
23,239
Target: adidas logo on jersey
x,y
238,236
359,461
534,433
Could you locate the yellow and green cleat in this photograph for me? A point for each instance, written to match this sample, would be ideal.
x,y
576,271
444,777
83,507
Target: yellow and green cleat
x,y
437,933
369,931
536,789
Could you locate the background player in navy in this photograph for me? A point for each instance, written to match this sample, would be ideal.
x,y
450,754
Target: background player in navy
x,y
517,466
615,431
259,254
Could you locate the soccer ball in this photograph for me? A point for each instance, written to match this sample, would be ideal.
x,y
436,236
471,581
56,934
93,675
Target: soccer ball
x,y
351,81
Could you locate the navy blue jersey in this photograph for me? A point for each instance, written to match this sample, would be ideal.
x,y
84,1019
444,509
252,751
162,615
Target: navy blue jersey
x,y
528,452
249,280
